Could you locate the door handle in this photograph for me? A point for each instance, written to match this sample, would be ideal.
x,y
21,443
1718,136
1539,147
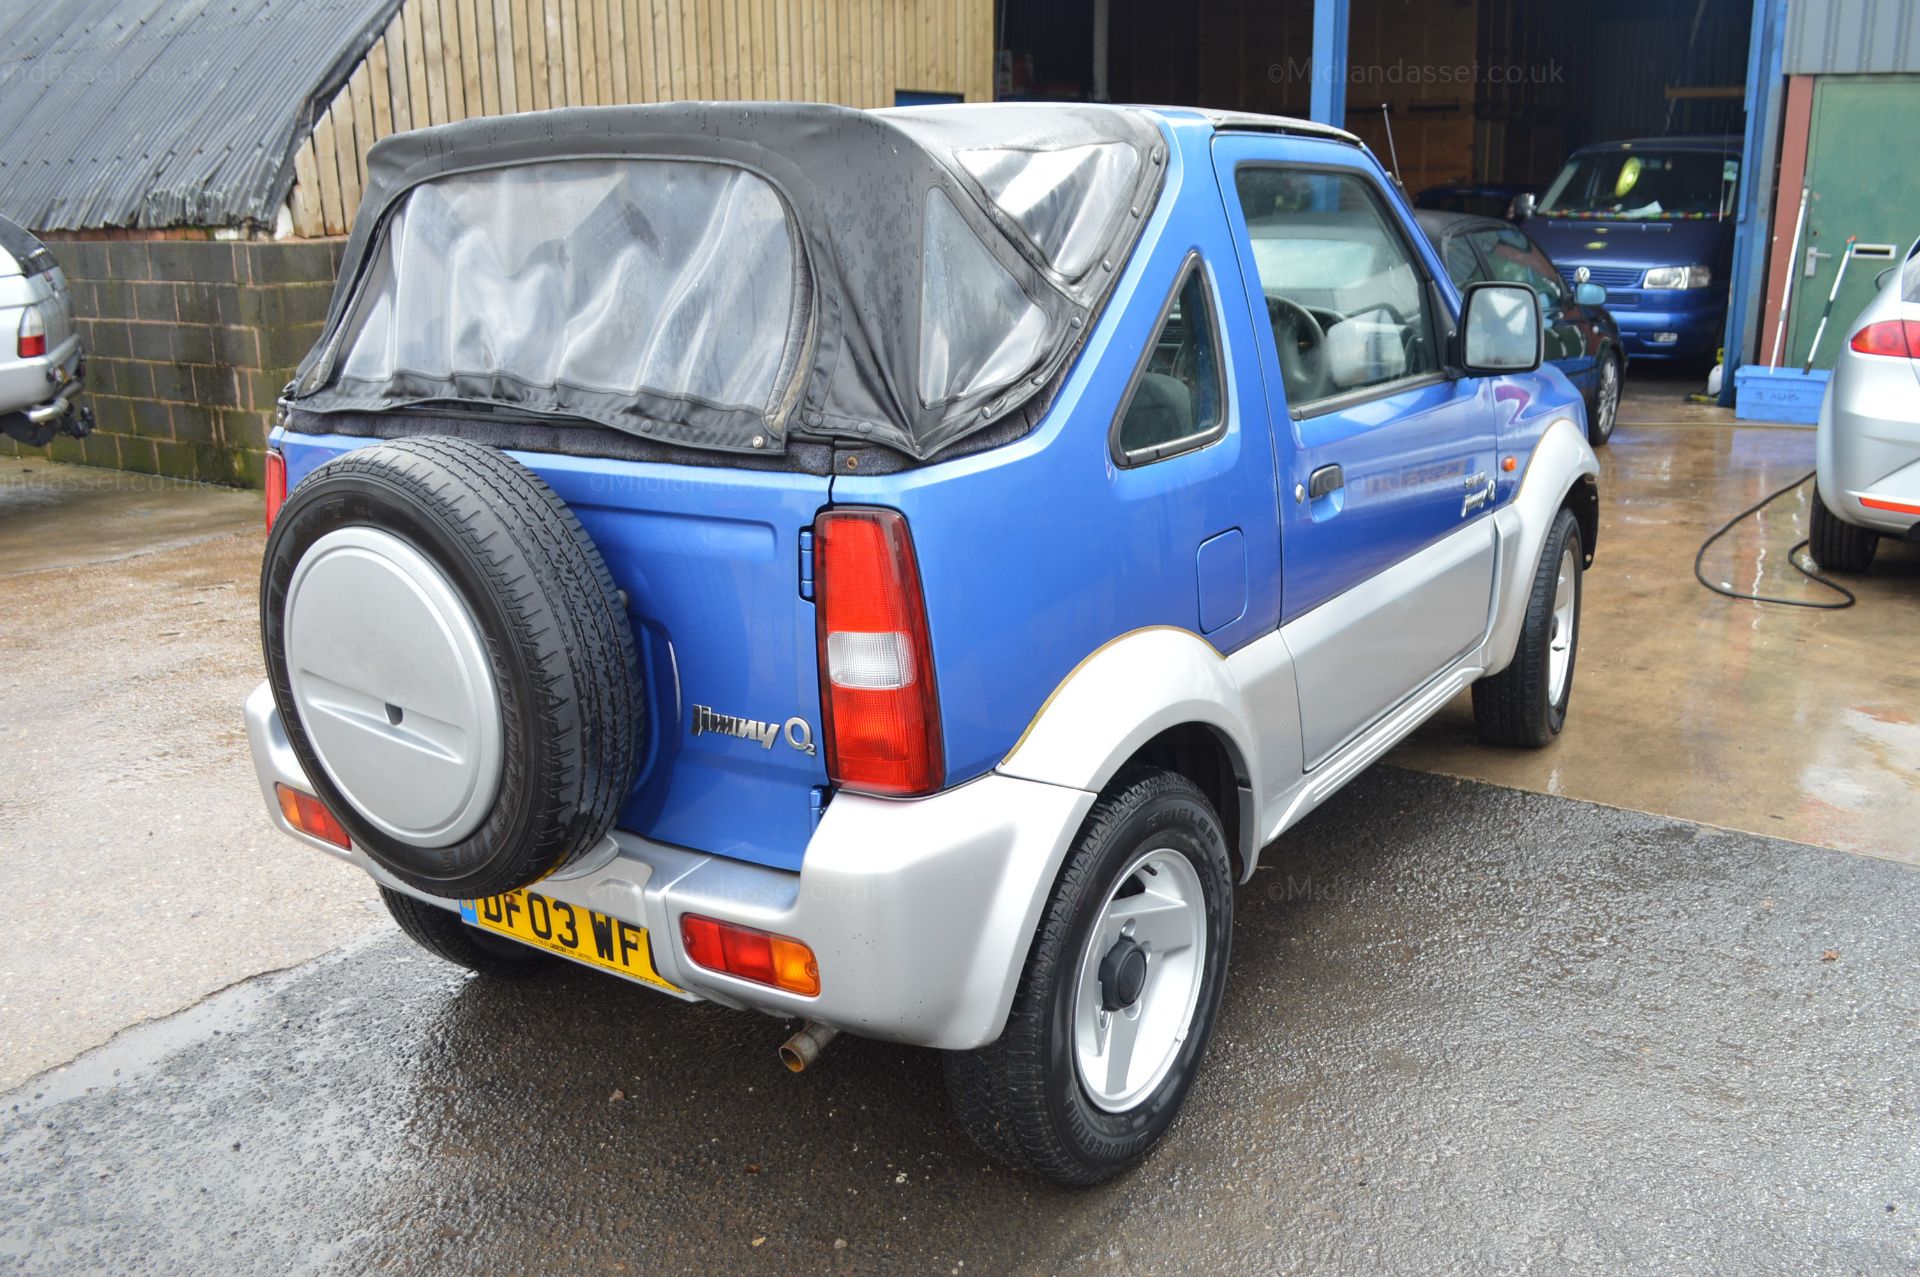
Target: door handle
x,y
1481,490
1325,481
1814,257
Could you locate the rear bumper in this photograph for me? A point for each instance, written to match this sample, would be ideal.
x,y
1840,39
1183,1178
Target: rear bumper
x,y
38,396
46,382
1868,447
920,913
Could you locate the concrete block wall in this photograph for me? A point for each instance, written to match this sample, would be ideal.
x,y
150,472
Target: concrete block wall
x,y
189,342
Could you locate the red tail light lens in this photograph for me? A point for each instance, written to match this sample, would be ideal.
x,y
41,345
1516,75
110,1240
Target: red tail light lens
x,y
880,714
753,955
276,485
310,816
33,335
1899,338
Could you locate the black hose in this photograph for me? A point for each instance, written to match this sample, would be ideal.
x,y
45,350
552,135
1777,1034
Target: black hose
x,y
1847,597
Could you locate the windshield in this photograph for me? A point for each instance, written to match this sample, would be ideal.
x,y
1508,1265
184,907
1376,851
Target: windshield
x,y
1646,185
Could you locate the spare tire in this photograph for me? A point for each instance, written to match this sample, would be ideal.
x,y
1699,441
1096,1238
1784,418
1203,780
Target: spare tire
x,y
452,662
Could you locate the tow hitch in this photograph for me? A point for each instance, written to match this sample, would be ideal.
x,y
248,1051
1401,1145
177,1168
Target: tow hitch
x,y
37,426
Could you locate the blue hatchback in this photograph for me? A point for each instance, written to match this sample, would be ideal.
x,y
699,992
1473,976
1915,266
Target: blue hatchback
x,y
898,570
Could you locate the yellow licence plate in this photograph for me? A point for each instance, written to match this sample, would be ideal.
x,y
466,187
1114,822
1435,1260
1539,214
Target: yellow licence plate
x,y
568,930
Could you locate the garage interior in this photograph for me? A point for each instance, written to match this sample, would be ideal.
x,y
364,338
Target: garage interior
x,y
1496,91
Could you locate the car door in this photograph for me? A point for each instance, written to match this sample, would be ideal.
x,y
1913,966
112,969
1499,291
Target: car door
x,y
1572,336
1387,553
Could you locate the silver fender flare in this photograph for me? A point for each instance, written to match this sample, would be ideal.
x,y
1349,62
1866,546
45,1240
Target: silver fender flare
x,y
1125,693
1561,459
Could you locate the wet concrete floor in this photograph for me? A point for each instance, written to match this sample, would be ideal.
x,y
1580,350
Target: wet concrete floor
x,y
1775,720
137,870
1467,1029
56,516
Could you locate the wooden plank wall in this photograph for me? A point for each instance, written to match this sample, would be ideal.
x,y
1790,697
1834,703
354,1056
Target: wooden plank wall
x,y
1421,57
1423,62
445,60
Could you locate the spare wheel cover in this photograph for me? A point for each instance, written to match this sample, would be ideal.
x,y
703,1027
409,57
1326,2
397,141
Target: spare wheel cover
x,y
391,676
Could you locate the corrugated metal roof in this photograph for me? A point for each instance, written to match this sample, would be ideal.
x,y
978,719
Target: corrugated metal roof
x,y
159,113
1841,37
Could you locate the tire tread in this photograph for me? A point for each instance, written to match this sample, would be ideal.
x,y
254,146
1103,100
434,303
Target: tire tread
x,y
1839,546
1509,708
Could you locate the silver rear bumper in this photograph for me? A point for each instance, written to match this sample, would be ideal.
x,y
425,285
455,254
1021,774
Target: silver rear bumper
x,y
1868,444
41,388
919,913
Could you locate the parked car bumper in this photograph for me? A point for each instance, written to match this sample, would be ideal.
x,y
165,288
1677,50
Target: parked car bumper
x,y
1868,446
42,388
919,913
1670,333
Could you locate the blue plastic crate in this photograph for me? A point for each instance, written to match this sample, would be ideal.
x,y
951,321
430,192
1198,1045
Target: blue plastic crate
x,y
1779,394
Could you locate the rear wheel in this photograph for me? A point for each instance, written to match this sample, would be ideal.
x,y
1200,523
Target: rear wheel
x,y
1526,703
1118,998
442,933
1837,545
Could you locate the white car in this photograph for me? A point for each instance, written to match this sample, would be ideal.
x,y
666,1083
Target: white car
x,y
1869,450
41,363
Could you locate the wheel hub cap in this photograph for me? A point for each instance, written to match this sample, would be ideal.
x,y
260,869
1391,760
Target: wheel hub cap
x,y
392,682
1123,974
1139,980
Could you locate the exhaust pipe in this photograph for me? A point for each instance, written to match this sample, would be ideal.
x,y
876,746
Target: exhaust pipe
x,y
55,407
804,1047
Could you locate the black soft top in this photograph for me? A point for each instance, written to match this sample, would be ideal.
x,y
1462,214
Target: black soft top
x,y
730,275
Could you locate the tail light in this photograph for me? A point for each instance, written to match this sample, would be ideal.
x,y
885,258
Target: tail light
x,y
310,816
880,715
753,955
276,485
33,334
1897,337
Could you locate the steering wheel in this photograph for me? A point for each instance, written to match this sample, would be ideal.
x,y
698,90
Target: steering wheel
x,y
1412,335
1393,313
1301,343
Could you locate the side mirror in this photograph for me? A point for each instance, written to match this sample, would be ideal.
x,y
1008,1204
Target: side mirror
x,y
1500,329
1880,280
1525,204
1590,294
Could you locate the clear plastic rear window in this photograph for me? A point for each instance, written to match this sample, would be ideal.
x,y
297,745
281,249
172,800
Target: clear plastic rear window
x,y
611,275
1064,200
978,329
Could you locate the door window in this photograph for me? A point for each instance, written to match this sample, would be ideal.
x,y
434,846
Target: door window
x,y
1513,259
1176,403
1347,301
1463,264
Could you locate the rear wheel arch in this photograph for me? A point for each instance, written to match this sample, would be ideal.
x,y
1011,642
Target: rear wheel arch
x,y
1204,754
1162,696
1583,498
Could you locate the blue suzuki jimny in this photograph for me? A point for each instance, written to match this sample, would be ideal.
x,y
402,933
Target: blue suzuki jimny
x,y
897,570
